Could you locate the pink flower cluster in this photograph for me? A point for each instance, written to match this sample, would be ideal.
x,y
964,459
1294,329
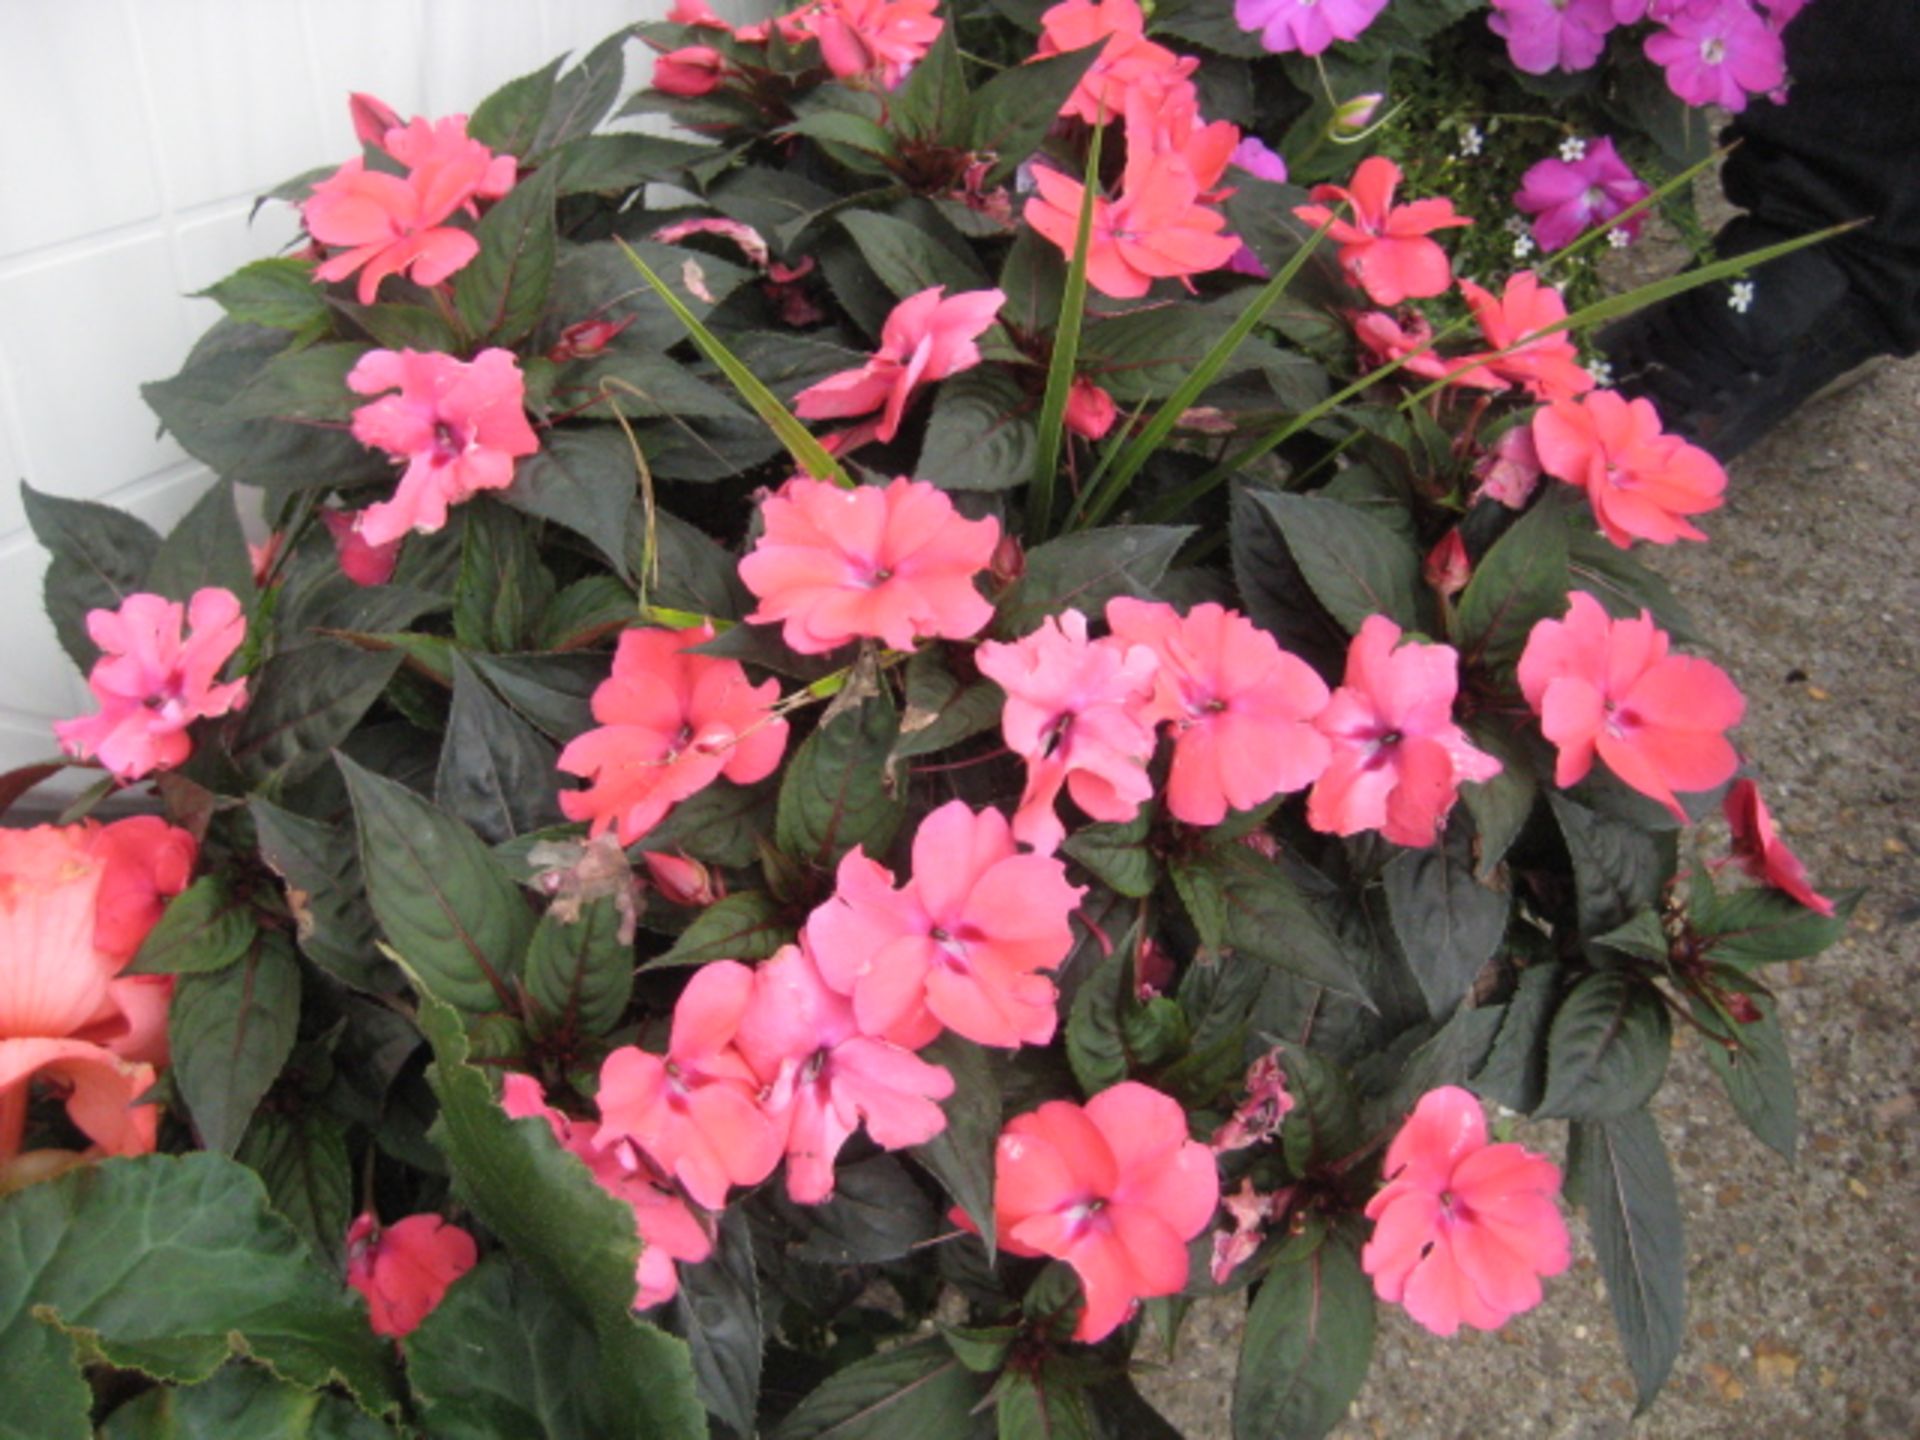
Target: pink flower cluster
x,y
75,904
1714,52
404,1270
868,41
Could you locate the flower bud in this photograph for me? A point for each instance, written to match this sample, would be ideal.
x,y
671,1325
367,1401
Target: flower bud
x,y
1090,410
1447,569
372,118
1009,561
586,339
691,70
1351,117
682,880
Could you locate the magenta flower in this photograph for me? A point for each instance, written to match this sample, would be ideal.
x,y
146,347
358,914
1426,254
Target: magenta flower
x,y
1566,200
1308,26
1717,52
1545,35
929,336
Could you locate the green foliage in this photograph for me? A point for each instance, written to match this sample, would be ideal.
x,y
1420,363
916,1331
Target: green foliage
x,y
1307,1343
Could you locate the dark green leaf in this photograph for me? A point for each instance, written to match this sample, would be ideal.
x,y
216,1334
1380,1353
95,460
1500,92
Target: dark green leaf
x,y
745,926
1618,867
206,548
941,710
1324,1124
496,773
1515,1074
1522,580
1013,111
916,1390
614,164
723,825
1210,26
1048,1404
906,258
1117,855
1607,1051
1308,1341
1096,1023
320,864
597,281
1760,927
203,929
445,903
1501,806
583,478
1274,590
555,692
1620,1173
717,1312
509,118
90,1251
1261,913
241,1400
585,93
580,972
980,435
301,1158
100,556
1448,923
960,1157
932,104
230,1033
279,293
502,291
687,568
1084,571
1625,586
502,587
841,131
838,793
1354,564
305,701
877,1213
307,385
1149,354
1754,1066
401,327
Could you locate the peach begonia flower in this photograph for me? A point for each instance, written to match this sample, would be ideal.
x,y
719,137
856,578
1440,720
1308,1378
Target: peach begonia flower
x,y
99,1086
1241,707
961,944
1463,1230
1608,687
824,1078
669,1229
894,563
1384,247
691,70
147,863
1548,368
1156,230
1398,758
929,336
1115,1188
404,1270
1759,850
458,424
360,562
1641,482
671,723
885,38
394,224
694,1111
1074,713
156,675
1127,58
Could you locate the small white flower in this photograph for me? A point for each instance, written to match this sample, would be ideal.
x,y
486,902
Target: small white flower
x,y
1619,239
1573,150
1471,142
1516,225
1740,297
1601,372
1523,247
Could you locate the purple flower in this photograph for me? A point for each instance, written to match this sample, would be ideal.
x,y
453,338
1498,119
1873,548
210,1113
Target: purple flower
x,y
1255,157
1544,35
1566,200
1717,52
1308,26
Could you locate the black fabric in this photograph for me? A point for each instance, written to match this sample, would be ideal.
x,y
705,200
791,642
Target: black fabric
x,y
1845,146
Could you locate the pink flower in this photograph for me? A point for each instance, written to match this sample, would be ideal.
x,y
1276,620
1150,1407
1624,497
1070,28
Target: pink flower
x,y
668,1227
1463,1230
1090,410
753,245
1546,366
459,425
1641,483
961,944
1386,338
1114,1188
393,224
372,118
1384,247
1509,471
156,675
671,723
1127,57
1156,230
1567,200
1308,26
1608,687
1258,1117
929,336
1717,52
1241,707
894,563
825,1078
360,562
1398,758
1164,127
695,1111
1073,713
1759,850
1545,35
689,71
405,1269
886,38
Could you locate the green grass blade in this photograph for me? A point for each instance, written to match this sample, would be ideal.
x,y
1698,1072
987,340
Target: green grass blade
x,y
808,453
1066,355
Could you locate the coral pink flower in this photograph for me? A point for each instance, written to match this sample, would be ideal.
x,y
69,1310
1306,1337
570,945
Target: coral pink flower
x,y
459,425
360,562
1073,713
825,1078
147,862
1545,35
1241,707
1608,687
961,944
1717,52
671,723
669,1229
1546,366
1566,199
99,1086
1384,247
1164,127
392,224
1156,230
1759,850
405,1269
690,70
1640,482
1398,758
1090,410
694,1111
372,118
929,336
155,677
894,563
1510,471
1127,58
1115,1188
882,37
1463,1230
1308,26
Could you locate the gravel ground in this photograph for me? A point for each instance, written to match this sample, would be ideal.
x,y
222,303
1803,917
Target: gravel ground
x,y
1803,1280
